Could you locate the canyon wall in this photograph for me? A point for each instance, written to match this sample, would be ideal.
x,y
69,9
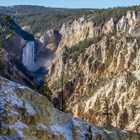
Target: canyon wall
x,y
107,69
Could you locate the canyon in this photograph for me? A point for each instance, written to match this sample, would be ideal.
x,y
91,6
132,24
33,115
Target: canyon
x,y
102,73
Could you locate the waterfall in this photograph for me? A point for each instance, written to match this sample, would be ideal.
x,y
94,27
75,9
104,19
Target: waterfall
x,y
28,56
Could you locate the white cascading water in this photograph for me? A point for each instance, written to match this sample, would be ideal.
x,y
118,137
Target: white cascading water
x,y
28,56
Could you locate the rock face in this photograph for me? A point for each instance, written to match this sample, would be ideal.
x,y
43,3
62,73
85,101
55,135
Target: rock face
x,y
108,69
51,40
14,70
109,26
130,23
74,31
25,114
14,46
77,30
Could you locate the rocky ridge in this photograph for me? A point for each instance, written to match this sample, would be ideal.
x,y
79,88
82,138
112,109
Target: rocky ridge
x,y
25,114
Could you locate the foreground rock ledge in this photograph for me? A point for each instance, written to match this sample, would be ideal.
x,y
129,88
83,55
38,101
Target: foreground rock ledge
x,y
27,115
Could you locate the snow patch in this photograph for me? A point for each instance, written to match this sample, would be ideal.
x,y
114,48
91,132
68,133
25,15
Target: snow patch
x,y
64,130
30,109
14,112
41,126
19,126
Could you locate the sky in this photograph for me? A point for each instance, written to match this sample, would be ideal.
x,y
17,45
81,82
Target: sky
x,y
72,3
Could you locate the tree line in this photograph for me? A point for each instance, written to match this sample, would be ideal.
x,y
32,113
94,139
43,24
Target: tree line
x,y
43,18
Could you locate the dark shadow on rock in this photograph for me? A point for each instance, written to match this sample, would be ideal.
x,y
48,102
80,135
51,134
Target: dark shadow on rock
x,y
25,35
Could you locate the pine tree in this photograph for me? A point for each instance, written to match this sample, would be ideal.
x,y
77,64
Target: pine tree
x,y
106,111
64,58
6,32
88,136
45,90
116,111
2,115
124,118
6,29
62,82
1,67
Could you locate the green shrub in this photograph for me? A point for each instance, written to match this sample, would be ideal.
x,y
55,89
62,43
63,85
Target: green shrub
x,y
76,50
45,90
88,136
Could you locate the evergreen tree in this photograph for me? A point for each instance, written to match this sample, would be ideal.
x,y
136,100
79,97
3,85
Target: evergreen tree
x,y
124,119
6,29
6,32
45,90
116,111
64,58
88,136
1,67
3,117
106,111
62,82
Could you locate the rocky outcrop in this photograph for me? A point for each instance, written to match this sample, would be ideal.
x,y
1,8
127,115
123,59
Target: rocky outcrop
x,y
77,30
51,40
14,70
130,23
109,26
74,31
25,114
14,46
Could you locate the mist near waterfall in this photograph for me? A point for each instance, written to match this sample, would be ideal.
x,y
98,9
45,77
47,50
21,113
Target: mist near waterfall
x,y
33,62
